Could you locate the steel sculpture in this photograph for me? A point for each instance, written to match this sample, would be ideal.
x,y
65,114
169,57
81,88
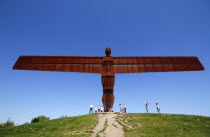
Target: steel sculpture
x,y
108,66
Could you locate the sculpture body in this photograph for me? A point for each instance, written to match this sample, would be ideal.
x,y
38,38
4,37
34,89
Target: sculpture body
x,y
108,66
107,78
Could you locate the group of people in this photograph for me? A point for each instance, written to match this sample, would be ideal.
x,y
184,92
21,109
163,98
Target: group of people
x,y
157,106
122,109
98,108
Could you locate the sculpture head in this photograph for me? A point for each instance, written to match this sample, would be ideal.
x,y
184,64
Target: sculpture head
x,y
108,51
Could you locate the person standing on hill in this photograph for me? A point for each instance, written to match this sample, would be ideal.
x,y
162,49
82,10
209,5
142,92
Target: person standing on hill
x,y
91,109
146,105
158,109
124,108
99,108
111,110
96,108
102,109
120,105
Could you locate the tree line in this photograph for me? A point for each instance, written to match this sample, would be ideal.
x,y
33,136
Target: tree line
x,y
9,123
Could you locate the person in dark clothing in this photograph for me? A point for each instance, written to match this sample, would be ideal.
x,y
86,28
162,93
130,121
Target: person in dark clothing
x,y
146,105
124,108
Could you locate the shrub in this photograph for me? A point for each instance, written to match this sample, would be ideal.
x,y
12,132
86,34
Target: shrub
x,y
40,119
9,123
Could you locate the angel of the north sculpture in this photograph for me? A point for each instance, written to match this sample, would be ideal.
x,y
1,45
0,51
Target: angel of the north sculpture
x,y
108,66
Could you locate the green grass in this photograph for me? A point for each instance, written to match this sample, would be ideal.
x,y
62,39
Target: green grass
x,y
134,125
167,125
67,126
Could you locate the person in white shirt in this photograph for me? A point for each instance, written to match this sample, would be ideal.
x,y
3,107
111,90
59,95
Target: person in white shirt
x,y
158,109
91,109
102,109
124,108
96,108
99,108
120,105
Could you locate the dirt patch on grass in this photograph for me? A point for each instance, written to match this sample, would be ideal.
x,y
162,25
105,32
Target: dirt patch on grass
x,y
108,126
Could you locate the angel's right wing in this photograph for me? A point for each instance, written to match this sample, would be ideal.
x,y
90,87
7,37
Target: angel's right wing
x,y
86,64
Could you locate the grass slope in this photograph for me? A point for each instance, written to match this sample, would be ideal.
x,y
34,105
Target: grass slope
x,y
134,125
167,125
79,126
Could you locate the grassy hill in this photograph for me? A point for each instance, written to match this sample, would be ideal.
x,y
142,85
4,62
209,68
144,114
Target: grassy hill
x,y
134,125
80,126
166,125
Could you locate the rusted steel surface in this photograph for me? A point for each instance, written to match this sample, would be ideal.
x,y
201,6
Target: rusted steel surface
x,y
60,63
156,64
108,66
107,79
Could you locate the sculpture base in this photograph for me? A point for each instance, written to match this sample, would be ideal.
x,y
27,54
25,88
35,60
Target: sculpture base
x,y
108,101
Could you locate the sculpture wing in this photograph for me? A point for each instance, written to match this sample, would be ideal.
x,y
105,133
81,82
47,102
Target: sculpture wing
x,y
87,64
156,64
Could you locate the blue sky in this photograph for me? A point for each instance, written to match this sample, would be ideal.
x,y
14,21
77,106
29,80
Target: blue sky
x,y
86,28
